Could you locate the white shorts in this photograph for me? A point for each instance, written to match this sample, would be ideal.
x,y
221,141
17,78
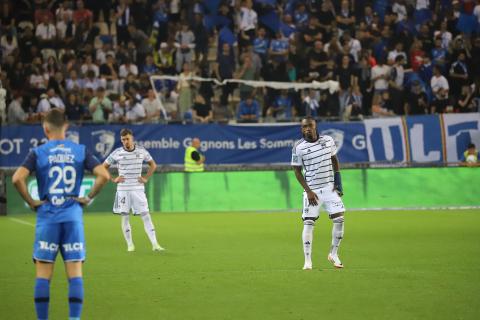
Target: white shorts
x,y
130,200
327,197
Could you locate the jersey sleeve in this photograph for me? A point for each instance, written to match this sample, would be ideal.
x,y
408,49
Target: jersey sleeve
x,y
111,159
148,156
30,161
333,147
296,157
90,161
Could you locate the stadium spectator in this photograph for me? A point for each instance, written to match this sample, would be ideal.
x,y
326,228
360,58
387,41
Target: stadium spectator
x,y
459,75
397,77
311,103
470,156
49,101
345,75
247,73
353,104
135,111
248,110
261,44
380,77
16,114
153,107
100,106
440,88
282,107
345,17
224,69
74,109
185,92
201,111
164,59
465,102
417,100
247,24
185,45
194,160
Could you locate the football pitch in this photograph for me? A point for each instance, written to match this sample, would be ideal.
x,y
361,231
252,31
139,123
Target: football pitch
x,y
398,265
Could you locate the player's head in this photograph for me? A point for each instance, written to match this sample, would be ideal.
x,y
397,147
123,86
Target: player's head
x,y
196,143
309,129
126,137
55,124
471,148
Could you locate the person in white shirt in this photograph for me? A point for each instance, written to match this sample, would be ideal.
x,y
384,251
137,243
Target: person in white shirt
x,y
248,23
380,76
127,68
444,34
135,113
48,101
398,51
354,45
440,88
89,65
46,33
153,107
400,9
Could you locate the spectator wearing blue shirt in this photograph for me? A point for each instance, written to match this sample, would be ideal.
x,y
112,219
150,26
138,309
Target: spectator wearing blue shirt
x,y
439,54
282,107
149,67
279,48
261,44
301,16
248,110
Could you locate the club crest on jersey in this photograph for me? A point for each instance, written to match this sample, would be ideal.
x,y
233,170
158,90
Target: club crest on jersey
x,y
337,135
103,142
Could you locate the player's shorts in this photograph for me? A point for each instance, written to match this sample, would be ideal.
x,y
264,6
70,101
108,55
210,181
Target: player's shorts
x,y
328,198
66,237
135,200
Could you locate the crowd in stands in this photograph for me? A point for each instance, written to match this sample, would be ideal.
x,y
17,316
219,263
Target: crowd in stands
x,y
94,58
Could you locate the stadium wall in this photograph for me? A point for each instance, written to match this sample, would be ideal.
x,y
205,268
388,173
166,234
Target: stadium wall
x,y
279,190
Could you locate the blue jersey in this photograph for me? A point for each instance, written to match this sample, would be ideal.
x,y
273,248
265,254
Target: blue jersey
x,y
59,166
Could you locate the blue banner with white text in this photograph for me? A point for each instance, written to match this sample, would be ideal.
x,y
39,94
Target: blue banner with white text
x,y
428,138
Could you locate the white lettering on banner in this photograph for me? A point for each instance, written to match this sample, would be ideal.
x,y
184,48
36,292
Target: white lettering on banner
x,y
246,145
44,245
274,144
8,146
159,144
460,129
34,142
387,144
418,146
358,142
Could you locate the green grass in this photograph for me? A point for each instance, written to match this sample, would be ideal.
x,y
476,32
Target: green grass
x,y
398,265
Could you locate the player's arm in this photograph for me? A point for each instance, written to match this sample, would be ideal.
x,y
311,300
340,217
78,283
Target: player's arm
x,y
106,164
312,196
337,179
19,180
101,174
152,166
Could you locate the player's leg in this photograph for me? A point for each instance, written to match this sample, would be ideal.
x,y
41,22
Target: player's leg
x,y
336,210
122,207
140,206
47,241
73,252
309,216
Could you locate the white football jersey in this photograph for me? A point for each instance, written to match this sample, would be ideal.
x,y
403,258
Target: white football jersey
x,y
129,165
316,160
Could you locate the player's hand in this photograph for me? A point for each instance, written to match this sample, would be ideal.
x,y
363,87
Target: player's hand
x,y
35,204
142,179
118,179
339,191
312,198
84,201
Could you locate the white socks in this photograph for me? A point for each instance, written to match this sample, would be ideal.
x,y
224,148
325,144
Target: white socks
x,y
149,228
307,237
337,235
127,229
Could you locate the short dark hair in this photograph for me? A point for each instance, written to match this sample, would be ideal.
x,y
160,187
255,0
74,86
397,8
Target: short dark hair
x,y
125,132
55,118
471,146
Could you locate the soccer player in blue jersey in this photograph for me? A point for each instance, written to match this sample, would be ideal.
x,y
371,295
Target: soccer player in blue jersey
x,y
59,165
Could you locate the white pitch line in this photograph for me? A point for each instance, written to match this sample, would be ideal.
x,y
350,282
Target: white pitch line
x,y
22,222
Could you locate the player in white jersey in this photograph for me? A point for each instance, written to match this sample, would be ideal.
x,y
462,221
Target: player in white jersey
x,y
130,194
322,185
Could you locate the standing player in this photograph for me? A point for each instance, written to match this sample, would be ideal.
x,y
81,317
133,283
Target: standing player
x,y
59,165
322,185
131,186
